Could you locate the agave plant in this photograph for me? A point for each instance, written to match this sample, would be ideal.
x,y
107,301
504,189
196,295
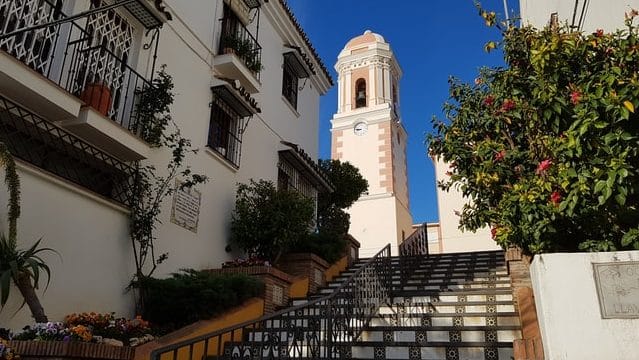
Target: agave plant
x,y
23,268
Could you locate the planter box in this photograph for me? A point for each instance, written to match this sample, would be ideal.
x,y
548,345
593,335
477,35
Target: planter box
x,y
70,350
276,284
307,265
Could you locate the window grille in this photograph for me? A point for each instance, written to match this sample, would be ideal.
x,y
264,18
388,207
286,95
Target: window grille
x,y
225,136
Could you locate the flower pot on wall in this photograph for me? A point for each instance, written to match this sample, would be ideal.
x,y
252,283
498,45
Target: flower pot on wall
x,y
97,96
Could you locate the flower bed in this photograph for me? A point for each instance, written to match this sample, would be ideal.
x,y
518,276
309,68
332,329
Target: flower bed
x,y
6,352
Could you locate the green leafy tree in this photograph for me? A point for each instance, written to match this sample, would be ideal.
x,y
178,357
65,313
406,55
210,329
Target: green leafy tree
x,y
22,267
333,222
547,148
349,185
267,222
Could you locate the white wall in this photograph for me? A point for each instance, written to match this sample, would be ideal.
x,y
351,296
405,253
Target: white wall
x,y
568,309
374,224
599,14
449,203
95,263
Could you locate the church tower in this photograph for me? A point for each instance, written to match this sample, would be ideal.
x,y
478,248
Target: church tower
x,y
368,133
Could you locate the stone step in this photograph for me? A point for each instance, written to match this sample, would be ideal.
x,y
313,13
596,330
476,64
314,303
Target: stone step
x,y
434,351
449,334
449,308
455,320
438,280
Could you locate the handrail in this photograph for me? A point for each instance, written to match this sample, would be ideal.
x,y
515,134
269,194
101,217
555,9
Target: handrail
x,y
412,251
330,320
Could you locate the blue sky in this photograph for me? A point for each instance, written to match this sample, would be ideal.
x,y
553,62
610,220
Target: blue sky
x,y
432,40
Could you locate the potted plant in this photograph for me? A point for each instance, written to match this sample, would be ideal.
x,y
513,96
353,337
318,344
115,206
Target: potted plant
x,y
98,96
230,43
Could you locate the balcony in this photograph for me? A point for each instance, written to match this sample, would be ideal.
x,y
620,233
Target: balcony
x,y
50,148
240,55
89,90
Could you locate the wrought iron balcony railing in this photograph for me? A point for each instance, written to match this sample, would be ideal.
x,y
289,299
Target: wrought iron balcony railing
x,y
39,142
63,52
238,40
320,329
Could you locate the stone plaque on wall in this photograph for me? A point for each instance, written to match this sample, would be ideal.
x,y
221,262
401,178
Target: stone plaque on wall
x,y
185,211
618,289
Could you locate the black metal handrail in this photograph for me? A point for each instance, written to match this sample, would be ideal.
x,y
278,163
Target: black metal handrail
x,y
322,328
237,39
63,53
412,251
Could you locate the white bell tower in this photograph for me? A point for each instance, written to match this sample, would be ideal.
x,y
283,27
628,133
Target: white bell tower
x,y
367,132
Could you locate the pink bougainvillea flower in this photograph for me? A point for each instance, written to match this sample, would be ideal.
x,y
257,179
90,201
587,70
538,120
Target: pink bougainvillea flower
x,y
543,166
555,197
508,105
489,100
632,14
575,97
500,155
599,33
493,232
449,173
478,81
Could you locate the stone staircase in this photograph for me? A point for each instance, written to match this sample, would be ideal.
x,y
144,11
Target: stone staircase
x,y
453,306
441,307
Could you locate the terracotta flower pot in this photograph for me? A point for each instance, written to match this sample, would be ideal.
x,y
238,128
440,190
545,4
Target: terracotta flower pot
x,y
98,96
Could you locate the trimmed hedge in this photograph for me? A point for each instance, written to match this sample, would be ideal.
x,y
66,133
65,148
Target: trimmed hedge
x,y
329,247
191,295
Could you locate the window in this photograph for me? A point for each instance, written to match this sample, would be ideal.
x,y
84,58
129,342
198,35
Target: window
x,y
290,84
224,131
360,93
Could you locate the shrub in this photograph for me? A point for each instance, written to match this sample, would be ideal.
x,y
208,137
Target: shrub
x,y
547,147
190,295
329,247
267,222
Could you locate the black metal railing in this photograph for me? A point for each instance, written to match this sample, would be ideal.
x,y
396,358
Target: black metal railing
x,y
63,53
39,142
225,136
320,329
238,40
412,251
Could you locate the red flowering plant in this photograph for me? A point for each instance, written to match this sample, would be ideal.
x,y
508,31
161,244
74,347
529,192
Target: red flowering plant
x,y
547,147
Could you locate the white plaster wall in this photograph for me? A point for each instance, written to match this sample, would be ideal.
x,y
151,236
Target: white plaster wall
x,y
604,14
374,224
448,203
95,263
568,309
401,169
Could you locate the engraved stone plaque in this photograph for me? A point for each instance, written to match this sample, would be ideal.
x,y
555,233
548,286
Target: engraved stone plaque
x,y
185,211
618,289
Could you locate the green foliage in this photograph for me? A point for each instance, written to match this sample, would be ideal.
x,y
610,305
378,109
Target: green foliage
x,y
190,295
348,182
15,263
328,246
267,222
150,188
547,148
153,108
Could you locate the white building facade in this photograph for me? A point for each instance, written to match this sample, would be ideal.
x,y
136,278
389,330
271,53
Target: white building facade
x,y
247,87
367,132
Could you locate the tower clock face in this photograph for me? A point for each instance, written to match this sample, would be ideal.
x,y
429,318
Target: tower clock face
x,y
361,128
